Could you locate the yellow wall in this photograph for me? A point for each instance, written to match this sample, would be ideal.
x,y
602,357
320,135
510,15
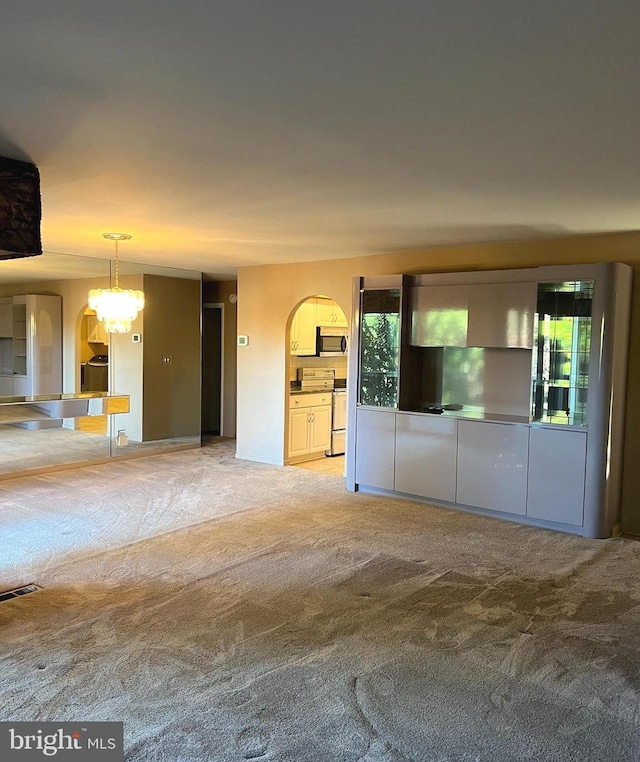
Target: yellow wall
x,y
269,294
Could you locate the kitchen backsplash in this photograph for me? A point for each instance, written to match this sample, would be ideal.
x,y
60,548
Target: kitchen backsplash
x,y
339,363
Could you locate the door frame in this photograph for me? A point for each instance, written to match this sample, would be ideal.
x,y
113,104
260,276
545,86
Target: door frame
x,y
216,306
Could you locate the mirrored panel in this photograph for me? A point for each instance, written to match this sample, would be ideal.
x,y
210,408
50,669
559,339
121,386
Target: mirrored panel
x,y
51,343
560,374
379,347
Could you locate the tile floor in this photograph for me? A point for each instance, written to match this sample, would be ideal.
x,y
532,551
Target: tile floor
x,y
334,465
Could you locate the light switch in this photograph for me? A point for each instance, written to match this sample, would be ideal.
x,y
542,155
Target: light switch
x,y
243,341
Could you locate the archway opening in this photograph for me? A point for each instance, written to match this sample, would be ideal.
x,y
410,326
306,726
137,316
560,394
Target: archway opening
x,y
315,422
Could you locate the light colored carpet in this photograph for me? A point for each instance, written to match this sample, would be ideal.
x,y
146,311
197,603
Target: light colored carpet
x,y
23,450
227,610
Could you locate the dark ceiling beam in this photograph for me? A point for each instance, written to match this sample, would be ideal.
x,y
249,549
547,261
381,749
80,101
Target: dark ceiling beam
x,y
20,209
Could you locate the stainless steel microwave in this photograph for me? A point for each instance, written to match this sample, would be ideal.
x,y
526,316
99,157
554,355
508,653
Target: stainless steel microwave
x,y
331,342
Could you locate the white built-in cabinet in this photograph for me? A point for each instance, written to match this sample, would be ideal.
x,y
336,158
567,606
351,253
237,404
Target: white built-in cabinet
x,y
492,466
529,368
501,315
439,316
309,425
556,472
425,456
303,329
473,315
520,469
30,345
375,448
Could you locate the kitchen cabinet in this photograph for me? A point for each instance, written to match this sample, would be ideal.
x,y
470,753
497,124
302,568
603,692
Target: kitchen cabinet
x,y
492,466
425,456
375,448
309,425
501,315
96,333
303,329
328,313
557,466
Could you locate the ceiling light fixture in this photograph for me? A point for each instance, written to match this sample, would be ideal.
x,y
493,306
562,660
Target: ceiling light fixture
x,y
117,308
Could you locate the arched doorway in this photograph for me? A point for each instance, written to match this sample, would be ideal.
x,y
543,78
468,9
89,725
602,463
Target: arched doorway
x,y
317,379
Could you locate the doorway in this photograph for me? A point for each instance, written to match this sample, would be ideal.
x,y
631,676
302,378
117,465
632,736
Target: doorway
x,y
211,388
314,433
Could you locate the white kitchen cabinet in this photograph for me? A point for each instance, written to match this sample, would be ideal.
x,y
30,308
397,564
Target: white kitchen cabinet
x,y
375,448
96,333
425,456
501,315
309,425
303,329
492,466
557,466
328,313
439,316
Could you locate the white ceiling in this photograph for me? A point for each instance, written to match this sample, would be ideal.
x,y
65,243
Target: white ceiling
x,y
226,133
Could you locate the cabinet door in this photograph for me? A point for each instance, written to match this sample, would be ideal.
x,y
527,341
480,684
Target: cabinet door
x,y
501,315
426,451
340,319
320,428
6,386
557,462
298,432
439,316
324,312
21,386
328,313
96,331
375,448
6,318
492,466
303,329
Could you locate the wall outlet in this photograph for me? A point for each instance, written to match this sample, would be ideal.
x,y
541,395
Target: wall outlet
x,y
122,439
136,338
166,360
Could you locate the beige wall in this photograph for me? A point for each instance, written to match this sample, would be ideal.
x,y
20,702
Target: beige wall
x,y
268,295
126,368
218,292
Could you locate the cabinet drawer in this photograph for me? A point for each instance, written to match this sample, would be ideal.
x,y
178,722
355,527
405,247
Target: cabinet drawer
x,y
309,400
